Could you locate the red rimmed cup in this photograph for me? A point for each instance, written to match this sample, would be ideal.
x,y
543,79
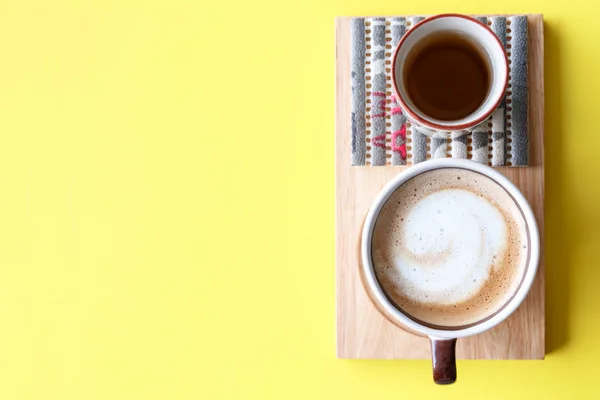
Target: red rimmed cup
x,y
492,51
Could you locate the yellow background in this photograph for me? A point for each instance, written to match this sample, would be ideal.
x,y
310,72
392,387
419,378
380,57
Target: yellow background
x,y
167,204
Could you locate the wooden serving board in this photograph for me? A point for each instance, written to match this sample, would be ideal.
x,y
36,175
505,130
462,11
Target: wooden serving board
x,y
362,331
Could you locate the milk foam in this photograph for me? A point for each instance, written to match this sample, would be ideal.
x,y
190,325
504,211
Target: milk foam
x,y
450,241
447,248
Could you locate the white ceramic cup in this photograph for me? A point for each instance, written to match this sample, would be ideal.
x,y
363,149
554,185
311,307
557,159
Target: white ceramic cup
x,y
443,340
493,52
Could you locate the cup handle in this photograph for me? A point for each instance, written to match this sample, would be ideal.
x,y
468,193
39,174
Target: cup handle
x,y
443,358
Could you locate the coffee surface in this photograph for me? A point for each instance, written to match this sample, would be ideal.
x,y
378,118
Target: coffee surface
x,y
447,76
450,247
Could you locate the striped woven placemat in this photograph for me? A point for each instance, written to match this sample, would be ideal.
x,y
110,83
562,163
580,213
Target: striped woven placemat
x,y
382,136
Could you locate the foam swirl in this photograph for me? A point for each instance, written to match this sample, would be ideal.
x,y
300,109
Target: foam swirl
x,y
449,247
449,241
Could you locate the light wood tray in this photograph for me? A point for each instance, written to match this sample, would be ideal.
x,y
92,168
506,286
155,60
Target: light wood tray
x,y
362,331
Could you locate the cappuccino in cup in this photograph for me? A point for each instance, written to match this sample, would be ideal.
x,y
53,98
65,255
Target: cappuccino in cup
x,y
450,248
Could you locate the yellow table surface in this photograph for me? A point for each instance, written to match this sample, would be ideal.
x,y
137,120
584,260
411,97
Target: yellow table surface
x,y
167,204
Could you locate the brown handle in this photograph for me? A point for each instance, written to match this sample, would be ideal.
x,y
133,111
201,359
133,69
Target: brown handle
x,y
444,360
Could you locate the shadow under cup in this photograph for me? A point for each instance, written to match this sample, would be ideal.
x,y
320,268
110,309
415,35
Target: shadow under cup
x,y
443,338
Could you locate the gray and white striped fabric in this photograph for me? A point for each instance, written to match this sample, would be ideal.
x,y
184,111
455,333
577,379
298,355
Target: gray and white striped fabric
x,y
382,136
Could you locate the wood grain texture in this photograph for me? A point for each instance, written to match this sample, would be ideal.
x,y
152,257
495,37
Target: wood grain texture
x,y
362,331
